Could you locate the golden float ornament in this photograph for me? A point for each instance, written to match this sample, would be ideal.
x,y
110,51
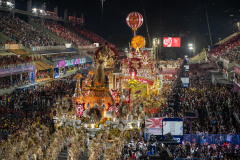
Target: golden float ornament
x,y
138,42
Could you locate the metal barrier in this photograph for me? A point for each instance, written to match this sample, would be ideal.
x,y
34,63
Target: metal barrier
x,y
212,138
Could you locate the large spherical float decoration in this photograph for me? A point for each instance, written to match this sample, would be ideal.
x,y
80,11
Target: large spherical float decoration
x,y
138,42
134,20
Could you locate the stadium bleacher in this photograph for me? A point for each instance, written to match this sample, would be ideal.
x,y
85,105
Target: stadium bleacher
x,y
63,32
23,32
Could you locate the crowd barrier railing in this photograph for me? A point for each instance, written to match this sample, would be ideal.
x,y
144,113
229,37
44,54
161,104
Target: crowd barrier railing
x,y
15,65
218,139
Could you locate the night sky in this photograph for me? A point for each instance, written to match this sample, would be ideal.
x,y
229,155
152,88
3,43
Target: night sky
x,y
185,18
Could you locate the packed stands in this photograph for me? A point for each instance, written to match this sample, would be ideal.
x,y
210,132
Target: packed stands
x,y
13,61
5,82
92,36
65,33
229,50
24,33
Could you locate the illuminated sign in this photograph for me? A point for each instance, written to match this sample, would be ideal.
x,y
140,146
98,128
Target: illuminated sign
x,y
171,42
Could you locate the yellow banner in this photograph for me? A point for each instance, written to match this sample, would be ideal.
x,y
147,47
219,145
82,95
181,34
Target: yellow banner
x,y
13,46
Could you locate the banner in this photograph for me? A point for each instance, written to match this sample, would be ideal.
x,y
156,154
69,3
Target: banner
x,y
154,125
171,42
13,46
150,82
18,70
71,62
173,126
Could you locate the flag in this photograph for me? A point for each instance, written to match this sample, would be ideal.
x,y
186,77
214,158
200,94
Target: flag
x,y
154,122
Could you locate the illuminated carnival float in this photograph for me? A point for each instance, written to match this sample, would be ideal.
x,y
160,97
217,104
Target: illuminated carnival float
x,y
108,97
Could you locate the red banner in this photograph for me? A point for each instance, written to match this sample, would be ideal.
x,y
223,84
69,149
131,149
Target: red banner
x,y
171,42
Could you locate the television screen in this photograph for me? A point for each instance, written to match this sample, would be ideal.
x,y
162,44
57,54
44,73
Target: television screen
x,y
171,42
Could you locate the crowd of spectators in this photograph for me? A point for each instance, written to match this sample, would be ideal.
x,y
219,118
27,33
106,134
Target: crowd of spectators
x,y
5,82
214,102
22,108
215,105
226,150
229,50
92,36
24,33
13,61
65,33
42,74
170,63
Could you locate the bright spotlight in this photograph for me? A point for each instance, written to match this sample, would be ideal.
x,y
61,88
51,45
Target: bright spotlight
x,y
190,45
34,9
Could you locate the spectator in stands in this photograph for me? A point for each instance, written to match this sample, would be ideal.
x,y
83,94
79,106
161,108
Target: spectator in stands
x,y
63,32
24,33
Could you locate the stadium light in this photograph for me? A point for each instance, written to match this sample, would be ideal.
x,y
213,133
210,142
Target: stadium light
x,y
190,46
155,41
238,25
34,9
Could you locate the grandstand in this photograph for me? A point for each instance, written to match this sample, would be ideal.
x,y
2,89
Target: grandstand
x,y
92,36
37,40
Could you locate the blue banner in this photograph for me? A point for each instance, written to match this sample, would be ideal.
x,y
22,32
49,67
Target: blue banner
x,y
218,139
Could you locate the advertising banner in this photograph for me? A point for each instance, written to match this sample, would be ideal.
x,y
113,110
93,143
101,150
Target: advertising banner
x,y
173,126
13,46
171,42
32,77
65,63
18,70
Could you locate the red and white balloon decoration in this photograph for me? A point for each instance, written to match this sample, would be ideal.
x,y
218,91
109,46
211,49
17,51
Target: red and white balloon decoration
x,y
134,20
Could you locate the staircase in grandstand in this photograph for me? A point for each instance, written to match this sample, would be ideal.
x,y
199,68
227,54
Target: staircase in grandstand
x,y
4,38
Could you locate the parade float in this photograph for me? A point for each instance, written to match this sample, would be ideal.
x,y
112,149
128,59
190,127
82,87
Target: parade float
x,y
115,98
